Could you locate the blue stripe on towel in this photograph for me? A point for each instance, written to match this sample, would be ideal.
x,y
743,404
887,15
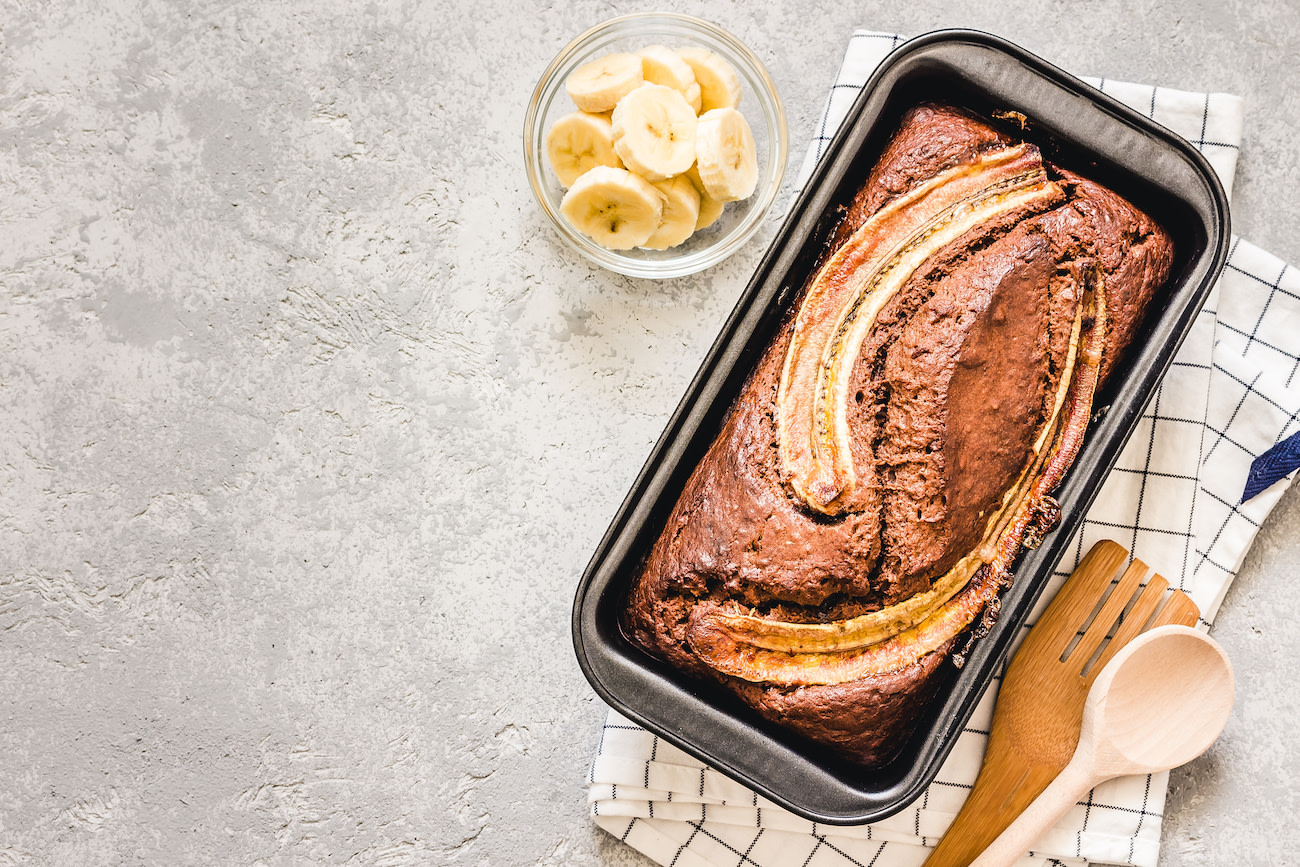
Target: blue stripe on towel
x,y
1274,464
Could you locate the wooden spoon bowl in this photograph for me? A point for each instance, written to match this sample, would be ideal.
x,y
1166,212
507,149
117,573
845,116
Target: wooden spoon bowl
x,y
1162,706
1158,704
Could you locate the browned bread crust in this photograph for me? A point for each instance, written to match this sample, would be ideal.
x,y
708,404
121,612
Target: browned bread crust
x,y
947,397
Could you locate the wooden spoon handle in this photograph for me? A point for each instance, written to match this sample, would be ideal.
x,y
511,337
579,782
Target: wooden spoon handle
x,y
1021,835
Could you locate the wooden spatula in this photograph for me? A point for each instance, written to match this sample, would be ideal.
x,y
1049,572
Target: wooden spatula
x,y
1039,709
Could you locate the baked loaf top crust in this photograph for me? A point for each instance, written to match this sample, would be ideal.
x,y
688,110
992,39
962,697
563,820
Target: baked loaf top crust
x,y
895,446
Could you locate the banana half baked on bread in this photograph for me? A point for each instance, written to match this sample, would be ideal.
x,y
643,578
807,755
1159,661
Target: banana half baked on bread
x,y
897,444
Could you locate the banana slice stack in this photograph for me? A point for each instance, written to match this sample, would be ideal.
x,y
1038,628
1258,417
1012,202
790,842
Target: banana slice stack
x,y
656,148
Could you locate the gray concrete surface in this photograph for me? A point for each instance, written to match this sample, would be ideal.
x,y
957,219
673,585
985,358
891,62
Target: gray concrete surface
x,y
308,424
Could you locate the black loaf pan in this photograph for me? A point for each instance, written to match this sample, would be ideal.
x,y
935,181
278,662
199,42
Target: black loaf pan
x,y
1078,128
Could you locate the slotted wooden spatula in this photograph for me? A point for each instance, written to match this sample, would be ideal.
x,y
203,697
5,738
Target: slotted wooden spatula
x,y
1039,709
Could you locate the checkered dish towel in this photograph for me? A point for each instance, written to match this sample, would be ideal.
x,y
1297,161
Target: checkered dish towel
x,y
1227,412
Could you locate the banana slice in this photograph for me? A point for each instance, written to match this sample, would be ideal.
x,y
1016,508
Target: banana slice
x,y
599,85
613,207
662,65
654,132
719,83
578,142
726,155
681,210
710,208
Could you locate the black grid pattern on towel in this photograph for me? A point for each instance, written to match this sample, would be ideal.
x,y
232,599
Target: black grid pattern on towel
x,y
1256,393
849,81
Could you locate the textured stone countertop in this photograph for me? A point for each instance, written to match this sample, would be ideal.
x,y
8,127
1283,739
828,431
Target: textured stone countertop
x,y
309,424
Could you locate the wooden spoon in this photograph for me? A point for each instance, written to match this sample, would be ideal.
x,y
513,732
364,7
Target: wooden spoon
x,y
1159,703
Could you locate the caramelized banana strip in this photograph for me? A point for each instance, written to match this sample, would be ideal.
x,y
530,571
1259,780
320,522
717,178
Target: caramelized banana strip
x,y
1065,446
878,626
720,648
853,287
848,634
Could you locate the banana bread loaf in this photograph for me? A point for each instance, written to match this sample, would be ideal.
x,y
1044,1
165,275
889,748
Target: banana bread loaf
x,y
896,445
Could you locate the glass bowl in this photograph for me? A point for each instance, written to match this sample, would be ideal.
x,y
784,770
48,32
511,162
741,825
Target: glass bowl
x,y
759,103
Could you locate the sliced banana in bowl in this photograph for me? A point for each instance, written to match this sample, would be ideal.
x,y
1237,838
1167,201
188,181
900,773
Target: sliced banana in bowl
x,y
578,142
661,65
656,98
680,213
654,132
727,159
599,85
614,207
710,208
718,81
661,114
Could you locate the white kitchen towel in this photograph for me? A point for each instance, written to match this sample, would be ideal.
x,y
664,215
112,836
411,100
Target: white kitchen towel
x,y
1230,402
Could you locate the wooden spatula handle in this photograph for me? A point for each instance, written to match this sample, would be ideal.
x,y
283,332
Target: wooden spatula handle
x,y
992,804
1021,835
